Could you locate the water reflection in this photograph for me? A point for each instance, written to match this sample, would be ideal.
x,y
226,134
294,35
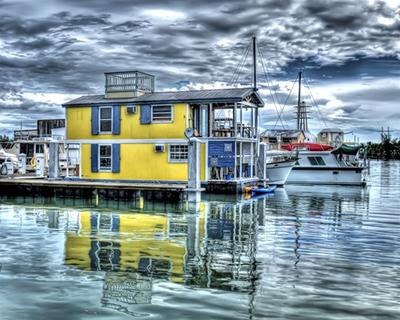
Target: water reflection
x,y
215,248
305,252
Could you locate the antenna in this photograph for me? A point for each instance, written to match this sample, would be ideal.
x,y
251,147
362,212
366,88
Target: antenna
x,y
302,123
254,64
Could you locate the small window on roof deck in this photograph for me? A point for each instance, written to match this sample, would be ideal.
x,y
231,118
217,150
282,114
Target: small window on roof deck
x,y
161,113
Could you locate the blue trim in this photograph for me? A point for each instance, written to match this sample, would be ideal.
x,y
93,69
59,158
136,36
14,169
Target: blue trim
x,y
116,149
145,114
116,115
115,222
95,120
94,157
94,221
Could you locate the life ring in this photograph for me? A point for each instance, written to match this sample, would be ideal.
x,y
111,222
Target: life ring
x,y
33,162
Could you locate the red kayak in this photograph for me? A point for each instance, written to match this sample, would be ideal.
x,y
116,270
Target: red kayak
x,y
310,146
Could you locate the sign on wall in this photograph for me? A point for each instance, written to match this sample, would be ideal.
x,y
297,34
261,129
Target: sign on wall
x,y
221,154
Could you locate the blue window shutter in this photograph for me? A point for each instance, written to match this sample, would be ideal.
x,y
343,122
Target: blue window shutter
x,y
95,157
116,126
95,120
145,114
116,148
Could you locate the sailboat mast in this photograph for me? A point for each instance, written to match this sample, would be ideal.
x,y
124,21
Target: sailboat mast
x,y
254,64
299,104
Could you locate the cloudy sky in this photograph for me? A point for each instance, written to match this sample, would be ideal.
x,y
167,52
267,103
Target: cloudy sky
x,y
53,51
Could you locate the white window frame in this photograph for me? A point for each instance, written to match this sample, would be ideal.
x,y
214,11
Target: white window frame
x,y
112,120
111,156
162,105
177,160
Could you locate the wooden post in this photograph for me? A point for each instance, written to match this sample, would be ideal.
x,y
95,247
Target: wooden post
x,y
235,119
252,159
241,160
194,183
236,157
67,173
241,120
210,119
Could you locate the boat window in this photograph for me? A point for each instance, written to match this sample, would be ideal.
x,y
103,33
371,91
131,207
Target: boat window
x,y
39,148
105,157
286,140
273,140
161,113
105,119
178,153
316,161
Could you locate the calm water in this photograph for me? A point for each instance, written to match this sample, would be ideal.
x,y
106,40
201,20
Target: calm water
x,y
304,253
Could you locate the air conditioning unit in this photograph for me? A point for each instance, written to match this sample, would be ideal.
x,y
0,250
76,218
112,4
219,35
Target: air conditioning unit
x,y
131,109
159,148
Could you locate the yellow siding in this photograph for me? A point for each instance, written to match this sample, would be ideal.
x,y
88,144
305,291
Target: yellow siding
x,y
79,125
140,162
150,241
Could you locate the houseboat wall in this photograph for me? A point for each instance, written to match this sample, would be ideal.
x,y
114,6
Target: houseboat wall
x,y
134,144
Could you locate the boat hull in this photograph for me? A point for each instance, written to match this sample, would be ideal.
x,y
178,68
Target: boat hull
x,y
327,175
278,173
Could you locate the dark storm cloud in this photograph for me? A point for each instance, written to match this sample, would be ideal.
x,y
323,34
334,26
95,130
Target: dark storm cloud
x,y
374,94
337,14
64,47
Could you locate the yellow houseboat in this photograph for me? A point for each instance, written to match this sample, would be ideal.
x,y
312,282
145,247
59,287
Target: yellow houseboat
x,y
132,133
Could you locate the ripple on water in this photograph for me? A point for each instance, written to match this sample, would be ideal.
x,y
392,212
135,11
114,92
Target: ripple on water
x,y
305,253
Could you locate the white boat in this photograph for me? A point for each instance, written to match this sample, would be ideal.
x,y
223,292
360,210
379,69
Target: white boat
x,y
279,164
337,167
321,163
7,157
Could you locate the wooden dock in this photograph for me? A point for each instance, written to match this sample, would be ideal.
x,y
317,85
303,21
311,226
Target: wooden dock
x,y
107,190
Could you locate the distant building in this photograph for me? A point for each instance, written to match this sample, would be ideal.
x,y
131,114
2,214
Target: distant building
x,y
331,136
35,140
277,137
25,134
44,127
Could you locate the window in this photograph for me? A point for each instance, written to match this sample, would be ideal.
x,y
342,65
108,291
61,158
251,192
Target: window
x,y
178,153
39,148
105,119
161,113
316,161
286,140
273,140
105,156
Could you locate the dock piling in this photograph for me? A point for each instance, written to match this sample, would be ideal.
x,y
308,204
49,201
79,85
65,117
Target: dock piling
x,y
54,172
194,183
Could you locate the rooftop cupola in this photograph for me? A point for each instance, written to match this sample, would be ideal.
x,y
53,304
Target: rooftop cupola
x,y
128,84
